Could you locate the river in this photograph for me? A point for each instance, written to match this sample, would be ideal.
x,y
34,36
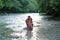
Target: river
x,y
13,27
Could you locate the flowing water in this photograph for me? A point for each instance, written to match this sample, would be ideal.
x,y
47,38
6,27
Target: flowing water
x,y
13,27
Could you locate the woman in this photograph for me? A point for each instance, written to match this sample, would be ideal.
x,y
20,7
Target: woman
x,y
29,23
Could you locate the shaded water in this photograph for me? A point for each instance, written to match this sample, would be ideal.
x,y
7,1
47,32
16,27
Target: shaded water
x,y
13,27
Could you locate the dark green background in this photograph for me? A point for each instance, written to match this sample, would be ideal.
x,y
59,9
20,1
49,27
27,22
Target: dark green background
x,y
51,7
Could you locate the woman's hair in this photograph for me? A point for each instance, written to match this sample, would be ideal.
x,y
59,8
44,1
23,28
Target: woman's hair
x,y
28,16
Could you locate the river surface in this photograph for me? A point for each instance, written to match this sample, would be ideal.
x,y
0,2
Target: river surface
x,y
13,27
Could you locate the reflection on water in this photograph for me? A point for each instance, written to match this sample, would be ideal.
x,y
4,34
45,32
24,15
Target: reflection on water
x,y
29,35
16,23
13,27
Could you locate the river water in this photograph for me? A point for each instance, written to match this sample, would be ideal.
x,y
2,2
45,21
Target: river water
x,y
13,27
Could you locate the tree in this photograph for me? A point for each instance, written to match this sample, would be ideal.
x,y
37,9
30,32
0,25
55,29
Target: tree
x,y
18,6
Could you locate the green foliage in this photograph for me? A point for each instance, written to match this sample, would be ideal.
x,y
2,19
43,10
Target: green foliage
x,y
51,7
1,4
18,5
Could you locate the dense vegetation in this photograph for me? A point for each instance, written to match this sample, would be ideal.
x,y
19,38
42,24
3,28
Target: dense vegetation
x,y
50,7
18,6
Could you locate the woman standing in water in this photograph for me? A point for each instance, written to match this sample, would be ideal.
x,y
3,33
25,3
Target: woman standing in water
x,y
29,23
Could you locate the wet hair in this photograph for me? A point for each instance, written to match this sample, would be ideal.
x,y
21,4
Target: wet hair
x,y
28,16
